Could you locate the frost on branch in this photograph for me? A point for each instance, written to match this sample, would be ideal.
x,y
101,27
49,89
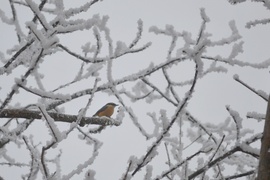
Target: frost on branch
x,y
155,101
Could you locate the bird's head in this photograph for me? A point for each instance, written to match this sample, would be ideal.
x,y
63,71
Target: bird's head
x,y
112,104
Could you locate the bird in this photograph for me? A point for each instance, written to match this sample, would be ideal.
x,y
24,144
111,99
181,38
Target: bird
x,y
106,110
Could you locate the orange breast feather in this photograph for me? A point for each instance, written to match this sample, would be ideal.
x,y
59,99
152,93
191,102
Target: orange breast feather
x,y
108,111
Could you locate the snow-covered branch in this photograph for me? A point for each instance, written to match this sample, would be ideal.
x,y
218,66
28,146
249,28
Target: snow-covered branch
x,y
52,80
32,114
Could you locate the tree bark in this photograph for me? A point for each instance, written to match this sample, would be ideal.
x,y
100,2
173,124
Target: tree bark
x,y
31,114
264,163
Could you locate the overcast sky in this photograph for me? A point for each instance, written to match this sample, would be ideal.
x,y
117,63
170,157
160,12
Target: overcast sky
x,y
210,99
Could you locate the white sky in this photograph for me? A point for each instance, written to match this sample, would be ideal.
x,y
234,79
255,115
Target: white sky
x,y
208,104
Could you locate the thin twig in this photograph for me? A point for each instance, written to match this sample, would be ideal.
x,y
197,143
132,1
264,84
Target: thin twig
x,y
240,175
169,159
192,142
128,168
179,164
40,7
159,91
23,79
178,112
13,58
45,115
116,82
250,88
214,154
44,149
33,169
236,123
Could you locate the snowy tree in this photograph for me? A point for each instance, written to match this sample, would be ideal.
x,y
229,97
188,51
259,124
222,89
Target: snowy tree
x,y
50,89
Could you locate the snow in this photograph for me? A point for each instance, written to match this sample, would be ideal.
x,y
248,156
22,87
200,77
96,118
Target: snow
x,y
236,1
136,123
256,115
257,22
169,31
249,149
238,120
214,68
3,154
34,7
74,11
46,41
204,16
105,56
148,174
263,94
88,48
208,146
237,48
99,42
138,35
5,19
120,49
120,114
81,24
90,175
164,119
80,167
46,94
59,136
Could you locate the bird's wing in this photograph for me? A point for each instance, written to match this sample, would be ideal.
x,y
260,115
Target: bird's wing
x,y
100,110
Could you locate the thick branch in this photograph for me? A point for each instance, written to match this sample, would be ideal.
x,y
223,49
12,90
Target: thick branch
x,y
29,114
264,163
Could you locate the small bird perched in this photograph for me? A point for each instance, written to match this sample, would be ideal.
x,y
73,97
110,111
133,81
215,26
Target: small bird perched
x,y
106,110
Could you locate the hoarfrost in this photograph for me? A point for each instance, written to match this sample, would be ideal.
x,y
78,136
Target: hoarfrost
x,y
149,170
34,7
121,48
237,48
249,149
204,16
256,115
121,114
54,129
164,119
256,22
5,19
238,120
90,175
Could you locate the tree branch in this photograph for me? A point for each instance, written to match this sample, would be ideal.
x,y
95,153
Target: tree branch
x,y
31,114
236,78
